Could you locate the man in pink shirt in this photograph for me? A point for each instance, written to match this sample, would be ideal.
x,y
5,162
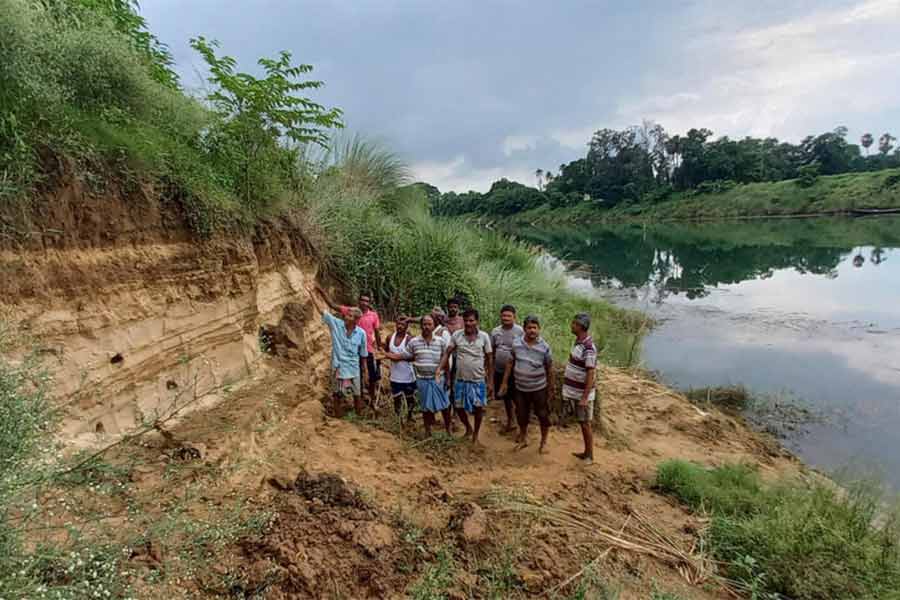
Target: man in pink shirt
x,y
371,324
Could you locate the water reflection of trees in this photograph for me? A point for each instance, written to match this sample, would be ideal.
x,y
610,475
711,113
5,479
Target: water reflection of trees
x,y
634,258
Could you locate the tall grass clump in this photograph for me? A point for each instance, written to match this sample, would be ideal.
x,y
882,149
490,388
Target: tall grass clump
x,y
793,539
380,238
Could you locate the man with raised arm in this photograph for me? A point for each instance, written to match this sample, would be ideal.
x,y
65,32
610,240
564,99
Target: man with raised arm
x,y
348,358
531,364
578,386
426,352
370,323
502,338
474,362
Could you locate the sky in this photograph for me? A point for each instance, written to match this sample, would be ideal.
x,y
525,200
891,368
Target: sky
x,y
467,92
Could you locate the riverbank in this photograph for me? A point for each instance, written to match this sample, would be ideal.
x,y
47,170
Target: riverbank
x,y
847,194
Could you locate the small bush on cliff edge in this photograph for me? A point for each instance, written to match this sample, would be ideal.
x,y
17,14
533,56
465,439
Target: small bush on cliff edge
x,y
803,541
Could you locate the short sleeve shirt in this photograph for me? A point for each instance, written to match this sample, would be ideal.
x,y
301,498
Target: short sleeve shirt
x,y
502,340
369,322
346,349
532,361
582,358
470,354
426,355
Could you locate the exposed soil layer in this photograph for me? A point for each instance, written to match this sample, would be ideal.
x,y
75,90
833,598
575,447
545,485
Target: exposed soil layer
x,y
136,313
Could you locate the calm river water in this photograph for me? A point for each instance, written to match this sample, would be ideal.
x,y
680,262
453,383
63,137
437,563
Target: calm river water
x,y
807,308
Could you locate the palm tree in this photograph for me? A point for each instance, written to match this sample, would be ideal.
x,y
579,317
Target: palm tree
x,y
539,174
867,140
885,143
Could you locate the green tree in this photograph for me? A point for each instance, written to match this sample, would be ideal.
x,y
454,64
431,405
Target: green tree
x,y
258,117
866,141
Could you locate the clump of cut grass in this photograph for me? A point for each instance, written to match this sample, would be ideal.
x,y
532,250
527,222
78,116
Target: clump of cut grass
x,y
800,540
733,398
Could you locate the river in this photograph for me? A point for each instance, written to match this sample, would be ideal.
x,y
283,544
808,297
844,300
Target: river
x,y
806,310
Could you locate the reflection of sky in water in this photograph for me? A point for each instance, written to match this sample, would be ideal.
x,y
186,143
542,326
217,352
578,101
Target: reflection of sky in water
x,y
868,294
834,342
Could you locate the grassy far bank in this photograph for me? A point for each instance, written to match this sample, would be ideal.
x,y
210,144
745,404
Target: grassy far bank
x,y
793,539
833,194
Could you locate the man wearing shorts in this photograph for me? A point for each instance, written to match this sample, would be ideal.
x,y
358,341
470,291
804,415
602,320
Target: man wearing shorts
x,y
426,352
502,338
531,363
348,358
578,387
403,378
370,323
474,358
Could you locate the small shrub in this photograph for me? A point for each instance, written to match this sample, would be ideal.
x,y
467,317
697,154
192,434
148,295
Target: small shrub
x,y
807,175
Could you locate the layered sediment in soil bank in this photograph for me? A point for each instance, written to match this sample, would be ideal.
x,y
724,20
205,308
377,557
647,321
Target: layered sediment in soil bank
x,y
137,314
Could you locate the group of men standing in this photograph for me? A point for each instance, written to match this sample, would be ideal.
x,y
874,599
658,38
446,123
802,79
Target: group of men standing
x,y
452,365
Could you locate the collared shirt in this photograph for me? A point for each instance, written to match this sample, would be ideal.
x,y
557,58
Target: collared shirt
x,y
346,349
425,355
503,339
582,358
531,365
470,354
369,321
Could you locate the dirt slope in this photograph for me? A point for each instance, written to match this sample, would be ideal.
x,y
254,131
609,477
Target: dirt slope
x,y
140,319
323,546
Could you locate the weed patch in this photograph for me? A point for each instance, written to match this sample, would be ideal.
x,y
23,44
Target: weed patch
x,y
803,541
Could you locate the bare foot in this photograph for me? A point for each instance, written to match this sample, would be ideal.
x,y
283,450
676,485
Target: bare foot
x,y
508,429
521,445
579,455
542,449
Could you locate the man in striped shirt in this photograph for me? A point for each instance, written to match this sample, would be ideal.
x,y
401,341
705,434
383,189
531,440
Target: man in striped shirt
x,y
425,352
578,386
531,363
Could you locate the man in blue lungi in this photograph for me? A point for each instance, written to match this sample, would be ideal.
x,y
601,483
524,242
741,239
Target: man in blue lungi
x,y
474,361
426,352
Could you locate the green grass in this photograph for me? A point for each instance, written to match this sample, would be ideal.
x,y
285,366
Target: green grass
x,y
436,579
832,194
799,540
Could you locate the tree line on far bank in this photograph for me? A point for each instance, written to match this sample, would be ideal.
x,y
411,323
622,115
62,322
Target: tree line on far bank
x,y
646,164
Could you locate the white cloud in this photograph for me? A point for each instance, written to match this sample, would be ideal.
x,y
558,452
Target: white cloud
x,y
575,138
816,71
458,175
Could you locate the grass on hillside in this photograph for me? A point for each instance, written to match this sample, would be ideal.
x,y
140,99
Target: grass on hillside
x,y
382,240
832,194
793,539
